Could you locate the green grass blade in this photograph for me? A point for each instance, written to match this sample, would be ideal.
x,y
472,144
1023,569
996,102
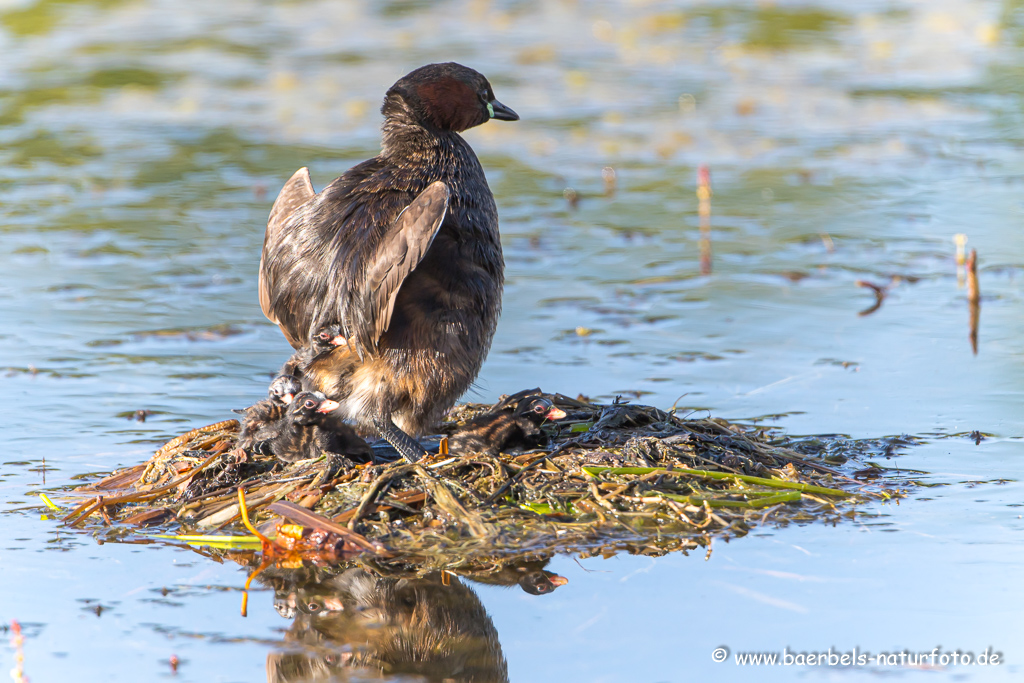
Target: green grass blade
x,y
687,472
793,497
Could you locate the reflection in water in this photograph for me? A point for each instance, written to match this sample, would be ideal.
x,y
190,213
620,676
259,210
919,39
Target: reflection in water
x,y
358,622
973,299
704,211
530,576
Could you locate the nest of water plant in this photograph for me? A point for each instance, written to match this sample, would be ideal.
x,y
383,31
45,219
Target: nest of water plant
x,y
620,474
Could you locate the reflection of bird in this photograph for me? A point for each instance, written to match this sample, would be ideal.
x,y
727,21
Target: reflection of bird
x,y
501,430
541,582
314,425
357,625
262,420
529,575
403,251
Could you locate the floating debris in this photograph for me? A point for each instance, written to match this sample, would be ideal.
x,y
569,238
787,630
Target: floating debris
x,y
880,292
608,176
572,197
613,476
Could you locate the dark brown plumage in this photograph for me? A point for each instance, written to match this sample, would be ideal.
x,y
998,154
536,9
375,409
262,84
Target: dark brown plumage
x,y
403,251
261,421
313,426
502,430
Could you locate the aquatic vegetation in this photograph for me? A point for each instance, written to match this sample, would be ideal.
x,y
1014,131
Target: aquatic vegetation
x,y
614,476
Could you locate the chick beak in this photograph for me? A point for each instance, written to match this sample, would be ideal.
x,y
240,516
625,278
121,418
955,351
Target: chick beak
x,y
339,341
557,580
328,406
501,112
287,398
555,414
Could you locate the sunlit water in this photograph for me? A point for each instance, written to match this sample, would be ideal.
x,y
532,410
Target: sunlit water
x,y
142,142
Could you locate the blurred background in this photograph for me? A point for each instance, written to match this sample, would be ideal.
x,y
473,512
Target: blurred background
x,y
142,143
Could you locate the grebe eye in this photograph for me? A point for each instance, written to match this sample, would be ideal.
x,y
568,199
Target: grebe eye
x,y
310,404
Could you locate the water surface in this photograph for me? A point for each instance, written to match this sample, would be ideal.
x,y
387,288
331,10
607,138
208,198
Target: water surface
x,y
143,141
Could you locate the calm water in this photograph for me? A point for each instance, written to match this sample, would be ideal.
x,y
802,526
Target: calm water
x,y
142,143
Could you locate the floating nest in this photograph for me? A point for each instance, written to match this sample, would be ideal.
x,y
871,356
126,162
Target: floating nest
x,y
614,476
